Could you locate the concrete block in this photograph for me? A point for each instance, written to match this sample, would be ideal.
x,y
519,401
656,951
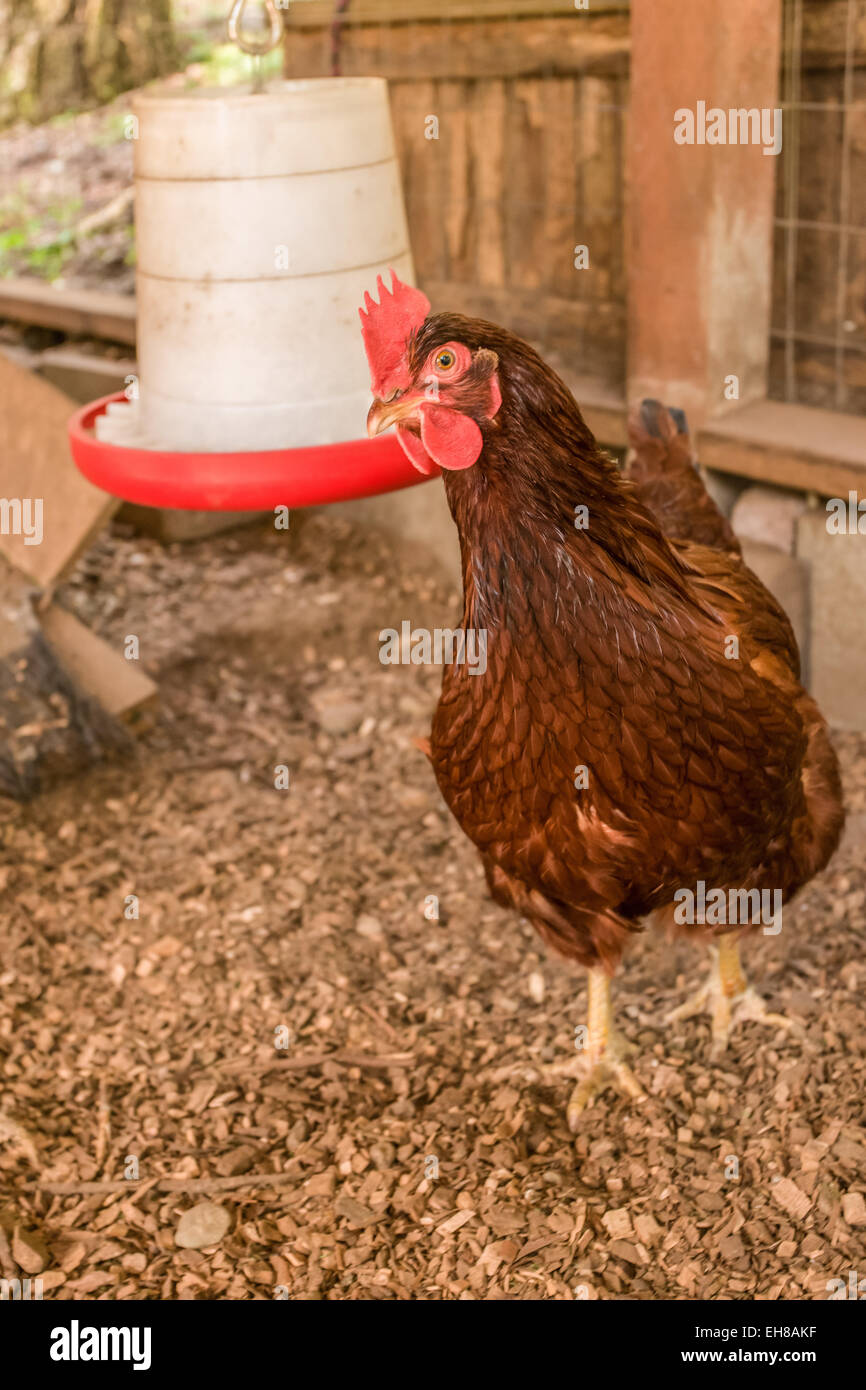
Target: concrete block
x,y
787,578
769,515
837,583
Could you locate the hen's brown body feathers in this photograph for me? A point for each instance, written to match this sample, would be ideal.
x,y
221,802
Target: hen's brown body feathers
x,y
609,649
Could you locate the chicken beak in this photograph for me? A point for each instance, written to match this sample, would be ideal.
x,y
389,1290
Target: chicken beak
x,y
385,413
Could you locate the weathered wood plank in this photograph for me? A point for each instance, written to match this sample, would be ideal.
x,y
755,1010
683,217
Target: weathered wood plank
x,y
699,227
486,132
49,725
316,13
562,151
37,466
102,672
600,211
528,254
456,208
90,312
590,336
422,162
797,446
486,48
493,204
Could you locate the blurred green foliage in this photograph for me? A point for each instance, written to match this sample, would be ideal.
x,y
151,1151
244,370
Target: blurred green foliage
x,y
224,65
40,244
112,130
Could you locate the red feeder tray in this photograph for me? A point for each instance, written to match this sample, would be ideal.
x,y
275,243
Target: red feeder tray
x,y
305,477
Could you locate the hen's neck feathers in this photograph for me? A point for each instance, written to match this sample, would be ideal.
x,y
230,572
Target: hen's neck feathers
x,y
515,512
515,507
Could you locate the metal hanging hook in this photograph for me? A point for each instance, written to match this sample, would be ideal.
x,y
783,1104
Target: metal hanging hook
x,y
256,47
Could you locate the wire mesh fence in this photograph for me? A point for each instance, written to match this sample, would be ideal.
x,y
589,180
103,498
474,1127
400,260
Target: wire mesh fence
x,y
818,341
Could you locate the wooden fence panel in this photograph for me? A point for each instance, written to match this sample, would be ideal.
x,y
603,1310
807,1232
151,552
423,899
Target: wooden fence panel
x,y
528,160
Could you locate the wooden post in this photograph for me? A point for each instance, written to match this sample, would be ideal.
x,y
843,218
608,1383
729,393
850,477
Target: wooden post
x,y
700,215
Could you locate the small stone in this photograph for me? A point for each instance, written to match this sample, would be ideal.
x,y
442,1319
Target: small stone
x,y
536,987
351,750
204,1224
336,714
370,927
166,947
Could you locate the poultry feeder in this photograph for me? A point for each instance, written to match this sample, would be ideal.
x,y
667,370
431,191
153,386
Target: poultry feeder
x,y
262,216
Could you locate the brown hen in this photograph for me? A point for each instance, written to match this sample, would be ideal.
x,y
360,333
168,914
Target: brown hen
x,y
640,728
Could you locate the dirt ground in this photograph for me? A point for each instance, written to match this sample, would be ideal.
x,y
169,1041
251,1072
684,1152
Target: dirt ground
x,y
298,915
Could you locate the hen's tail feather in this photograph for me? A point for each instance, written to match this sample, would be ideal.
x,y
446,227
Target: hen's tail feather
x,y
664,470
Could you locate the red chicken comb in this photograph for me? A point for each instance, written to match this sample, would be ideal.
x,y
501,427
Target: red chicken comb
x,y
387,327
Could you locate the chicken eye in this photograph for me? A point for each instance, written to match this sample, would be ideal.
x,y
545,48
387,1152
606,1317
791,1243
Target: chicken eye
x,y
445,360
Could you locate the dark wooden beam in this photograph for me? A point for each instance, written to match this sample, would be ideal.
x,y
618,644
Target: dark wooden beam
x,y
87,313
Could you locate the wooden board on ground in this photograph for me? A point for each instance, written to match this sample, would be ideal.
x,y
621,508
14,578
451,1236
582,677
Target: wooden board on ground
x,y
35,464
50,725
120,686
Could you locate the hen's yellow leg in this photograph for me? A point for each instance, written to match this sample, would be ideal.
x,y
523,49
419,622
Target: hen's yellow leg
x,y
606,1053
727,996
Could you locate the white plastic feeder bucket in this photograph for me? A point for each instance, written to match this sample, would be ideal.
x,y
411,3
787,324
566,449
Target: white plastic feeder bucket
x,y
261,220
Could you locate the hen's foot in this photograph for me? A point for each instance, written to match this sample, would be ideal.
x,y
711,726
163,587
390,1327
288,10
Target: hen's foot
x,y
727,997
604,1063
611,1070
